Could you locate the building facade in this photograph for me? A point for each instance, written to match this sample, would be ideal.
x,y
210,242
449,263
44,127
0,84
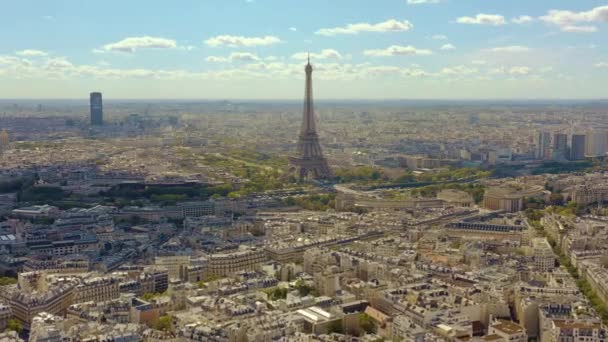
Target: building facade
x,y
227,263
597,143
543,150
577,148
97,290
96,104
544,259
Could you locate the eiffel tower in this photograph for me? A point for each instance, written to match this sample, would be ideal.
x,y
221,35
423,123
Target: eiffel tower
x,y
310,163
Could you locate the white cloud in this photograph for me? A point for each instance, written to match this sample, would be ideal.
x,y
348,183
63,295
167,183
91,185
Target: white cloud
x,y
515,70
459,70
520,70
341,71
383,69
217,59
522,19
131,44
31,53
479,62
9,60
601,65
546,69
569,21
244,56
235,56
419,2
512,48
568,18
483,19
293,29
252,68
324,54
58,63
236,41
261,69
61,68
414,72
397,50
390,25
448,46
439,37
579,29
497,71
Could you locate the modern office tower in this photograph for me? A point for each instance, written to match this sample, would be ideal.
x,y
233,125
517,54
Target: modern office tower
x,y
96,109
4,141
596,143
560,146
577,148
560,141
310,162
544,146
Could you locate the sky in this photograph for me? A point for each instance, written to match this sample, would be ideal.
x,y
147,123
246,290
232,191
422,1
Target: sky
x,y
257,49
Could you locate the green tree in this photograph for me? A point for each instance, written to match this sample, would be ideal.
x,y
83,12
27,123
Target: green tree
x,y
556,199
533,215
42,194
335,327
305,289
164,323
317,202
150,295
277,293
14,325
169,198
362,174
7,281
367,323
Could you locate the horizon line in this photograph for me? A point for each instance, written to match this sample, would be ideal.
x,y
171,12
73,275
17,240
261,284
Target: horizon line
x,y
300,99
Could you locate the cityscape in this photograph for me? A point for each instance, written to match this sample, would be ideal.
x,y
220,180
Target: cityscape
x,y
306,193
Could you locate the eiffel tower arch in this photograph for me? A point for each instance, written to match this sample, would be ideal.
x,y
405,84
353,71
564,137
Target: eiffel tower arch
x,y
309,162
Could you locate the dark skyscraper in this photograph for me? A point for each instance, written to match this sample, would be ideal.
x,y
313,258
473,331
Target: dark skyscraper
x,y
96,109
560,141
310,162
577,150
543,147
560,146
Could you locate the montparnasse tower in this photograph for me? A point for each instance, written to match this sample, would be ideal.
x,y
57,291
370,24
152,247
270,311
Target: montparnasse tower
x,y
4,140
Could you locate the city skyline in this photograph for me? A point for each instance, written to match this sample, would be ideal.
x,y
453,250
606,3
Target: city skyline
x,y
255,49
165,175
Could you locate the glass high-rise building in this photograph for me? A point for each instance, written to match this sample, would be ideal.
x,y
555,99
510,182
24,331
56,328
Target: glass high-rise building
x,y
560,146
597,143
96,109
577,150
543,147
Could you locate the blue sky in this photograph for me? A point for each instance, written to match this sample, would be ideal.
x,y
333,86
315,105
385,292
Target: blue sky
x,y
443,49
